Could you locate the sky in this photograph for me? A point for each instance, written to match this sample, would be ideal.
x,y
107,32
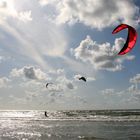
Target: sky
x,y
53,41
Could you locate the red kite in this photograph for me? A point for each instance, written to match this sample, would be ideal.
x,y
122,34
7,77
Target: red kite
x,y
131,38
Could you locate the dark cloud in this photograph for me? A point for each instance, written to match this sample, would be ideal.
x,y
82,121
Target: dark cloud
x,y
95,13
70,86
29,73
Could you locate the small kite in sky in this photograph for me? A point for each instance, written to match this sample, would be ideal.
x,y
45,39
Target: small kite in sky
x,y
131,38
83,78
48,84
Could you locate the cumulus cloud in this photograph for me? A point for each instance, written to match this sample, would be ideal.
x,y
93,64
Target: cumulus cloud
x,y
55,88
25,16
31,95
30,41
89,79
132,88
46,2
135,79
109,91
57,72
2,58
60,82
77,76
102,56
63,80
95,13
32,85
70,85
29,72
7,9
4,82
131,94
37,80
60,71
81,99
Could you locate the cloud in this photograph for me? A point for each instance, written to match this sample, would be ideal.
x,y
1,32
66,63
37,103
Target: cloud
x,y
60,87
25,16
55,88
137,96
89,79
67,84
129,97
31,95
2,58
109,91
37,77
101,56
132,88
80,99
31,40
77,76
29,72
46,2
131,94
70,85
7,9
60,71
95,13
57,72
4,82
36,80
32,73
32,86
135,79
60,82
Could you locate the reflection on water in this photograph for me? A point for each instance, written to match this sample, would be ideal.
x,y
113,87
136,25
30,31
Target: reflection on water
x,y
69,125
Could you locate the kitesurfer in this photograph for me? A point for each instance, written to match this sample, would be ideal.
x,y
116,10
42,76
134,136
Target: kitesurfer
x,y
46,114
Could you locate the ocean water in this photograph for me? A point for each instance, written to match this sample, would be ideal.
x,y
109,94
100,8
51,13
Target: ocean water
x,y
70,125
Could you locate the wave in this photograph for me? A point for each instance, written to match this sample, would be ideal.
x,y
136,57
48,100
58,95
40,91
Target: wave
x,y
82,115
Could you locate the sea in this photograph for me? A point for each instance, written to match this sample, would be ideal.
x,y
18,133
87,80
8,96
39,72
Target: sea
x,y
70,125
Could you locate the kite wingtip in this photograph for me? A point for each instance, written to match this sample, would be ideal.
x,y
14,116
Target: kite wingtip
x,y
121,53
114,32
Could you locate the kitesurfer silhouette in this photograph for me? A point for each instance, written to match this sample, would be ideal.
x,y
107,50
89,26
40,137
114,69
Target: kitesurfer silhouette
x,y
46,114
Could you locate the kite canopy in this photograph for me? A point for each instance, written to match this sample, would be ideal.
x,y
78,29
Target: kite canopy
x,y
48,84
83,78
131,38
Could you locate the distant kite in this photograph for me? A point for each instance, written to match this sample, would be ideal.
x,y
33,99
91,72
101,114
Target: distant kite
x,y
131,38
48,84
83,78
